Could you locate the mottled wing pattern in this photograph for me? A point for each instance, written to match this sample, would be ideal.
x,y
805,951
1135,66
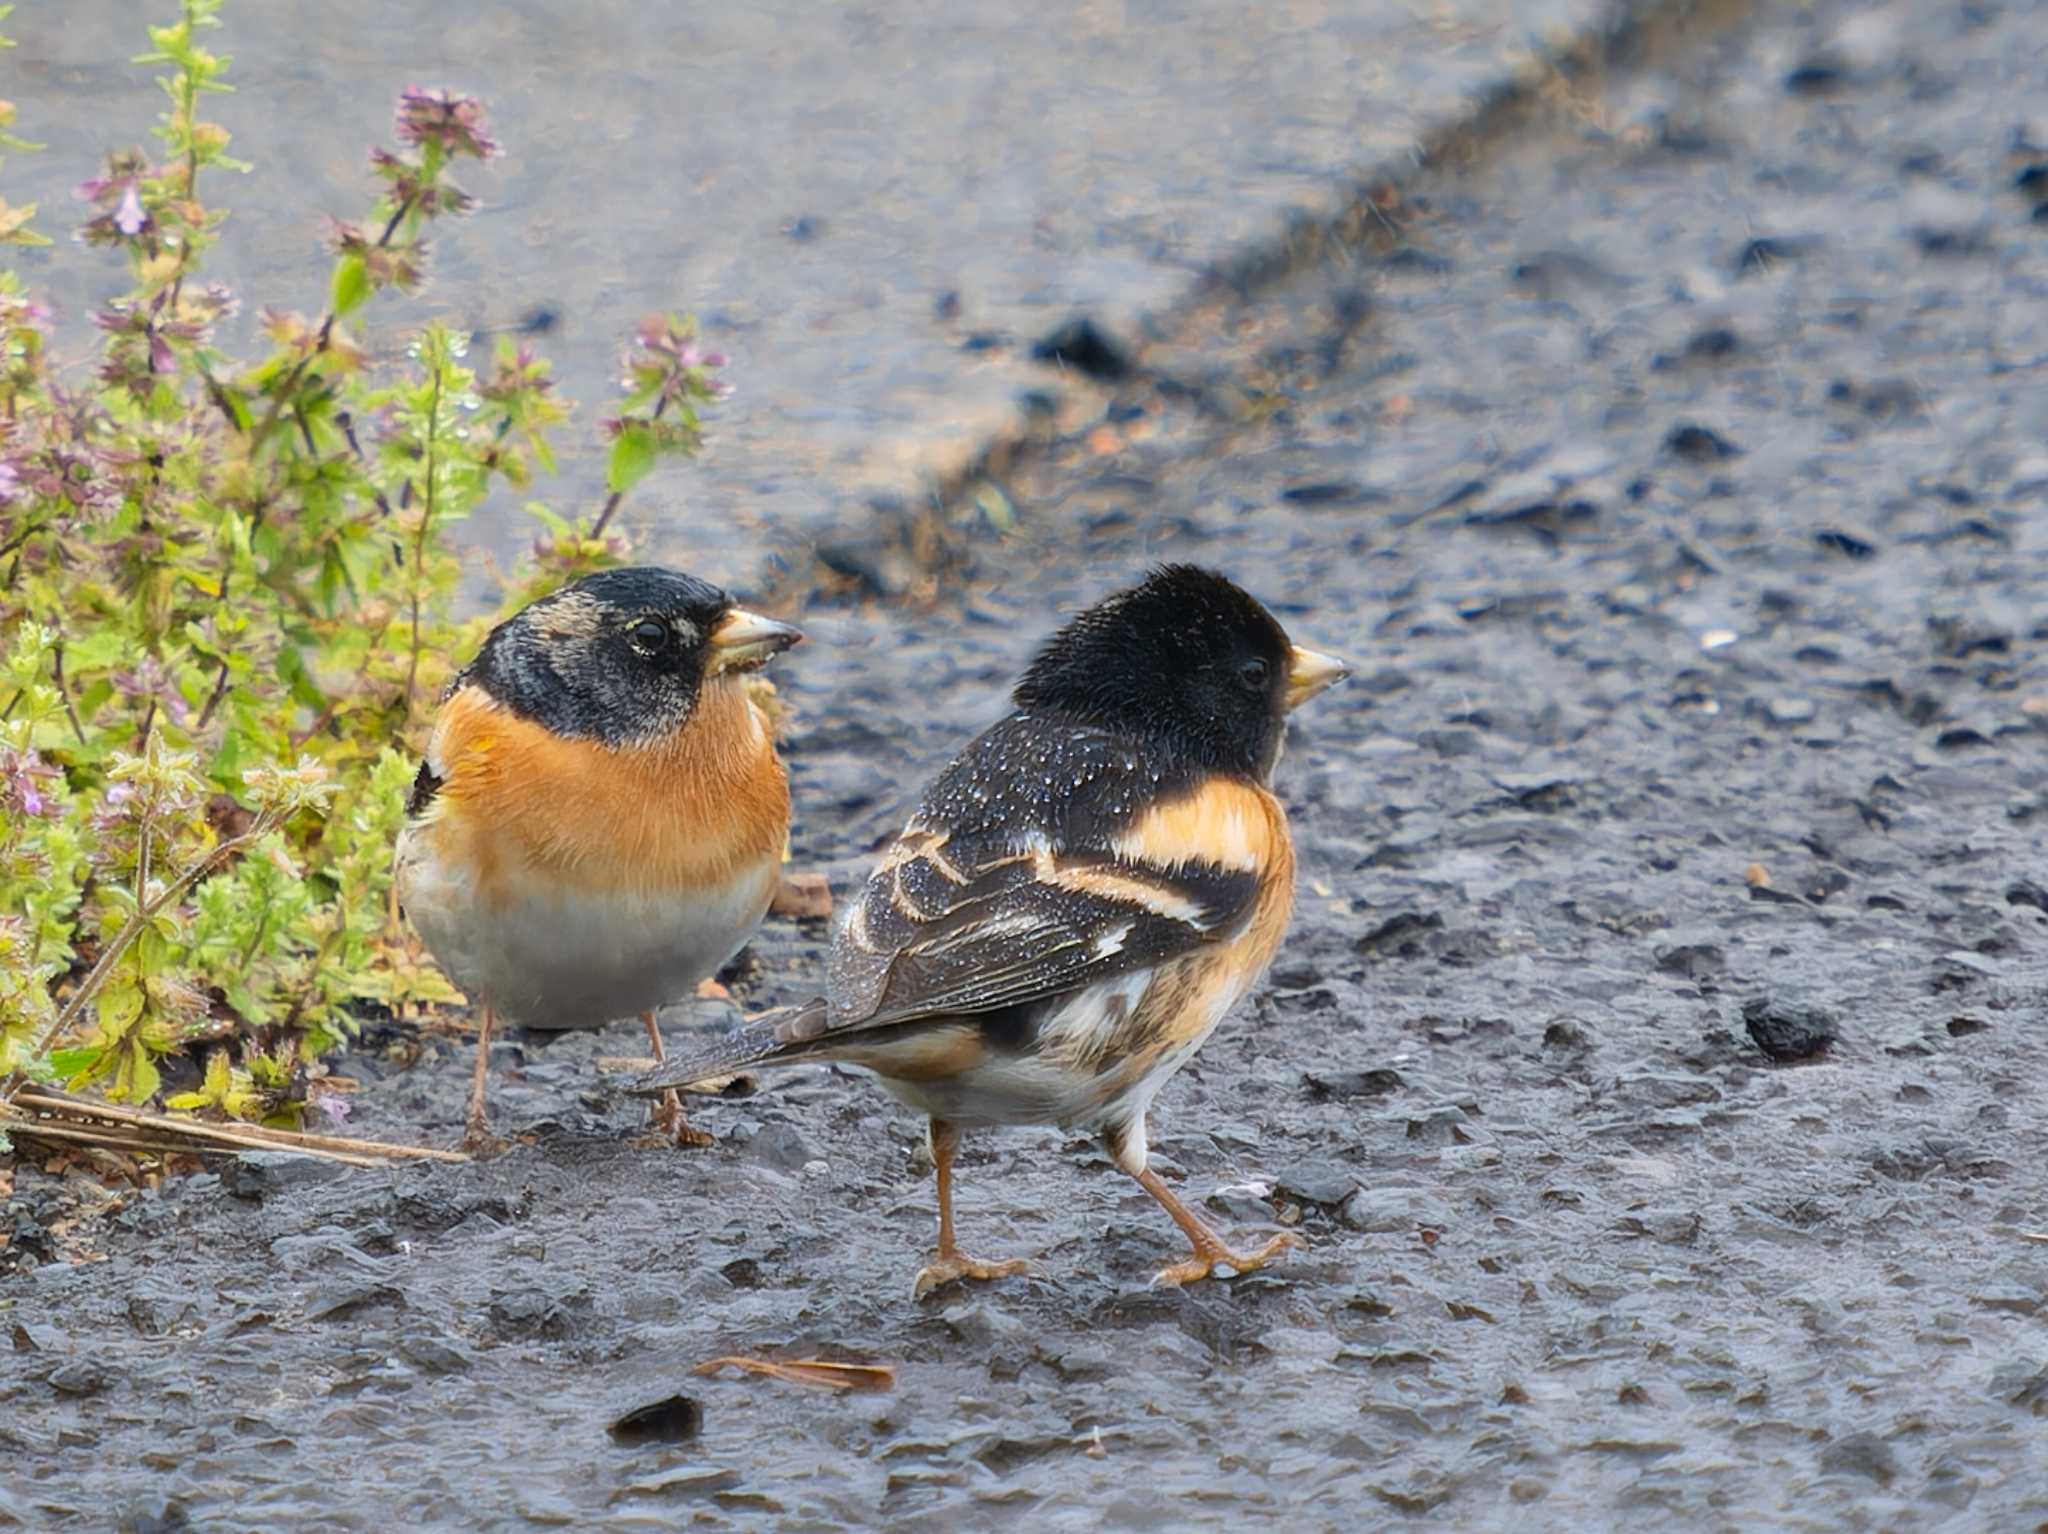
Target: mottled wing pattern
x,y
1014,883
425,785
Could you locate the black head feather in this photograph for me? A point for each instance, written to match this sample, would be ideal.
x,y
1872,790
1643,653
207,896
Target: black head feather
x,y
616,657
1185,661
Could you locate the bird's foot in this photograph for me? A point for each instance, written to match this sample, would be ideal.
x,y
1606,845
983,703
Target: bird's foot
x,y
956,1264
671,1129
1212,1254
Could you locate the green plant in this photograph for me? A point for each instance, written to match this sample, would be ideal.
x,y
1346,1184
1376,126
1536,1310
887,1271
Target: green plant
x,y
226,589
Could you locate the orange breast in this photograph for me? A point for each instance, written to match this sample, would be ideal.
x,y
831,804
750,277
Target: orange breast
x,y
690,811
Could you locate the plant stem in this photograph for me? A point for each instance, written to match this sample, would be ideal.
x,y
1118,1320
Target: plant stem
x,y
419,542
611,504
220,691
57,674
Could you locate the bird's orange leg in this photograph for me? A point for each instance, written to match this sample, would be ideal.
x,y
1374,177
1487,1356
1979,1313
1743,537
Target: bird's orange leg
x,y
951,1262
477,1137
667,1113
1210,1248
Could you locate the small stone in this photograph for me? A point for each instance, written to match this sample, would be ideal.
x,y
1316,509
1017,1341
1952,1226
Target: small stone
x,y
1693,961
1399,932
2022,1384
263,1174
1786,1033
79,1377
431,1355
1318,1182
1862,1454
781,1146
1380,1210
1699,444
1082,346
1791,710
673,1419
1343,1085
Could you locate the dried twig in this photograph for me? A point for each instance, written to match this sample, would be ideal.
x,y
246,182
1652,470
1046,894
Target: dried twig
x,y
59,1115
821,1372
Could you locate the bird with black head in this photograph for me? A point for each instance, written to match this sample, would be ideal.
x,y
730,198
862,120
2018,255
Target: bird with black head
x,y
600,819
1081,897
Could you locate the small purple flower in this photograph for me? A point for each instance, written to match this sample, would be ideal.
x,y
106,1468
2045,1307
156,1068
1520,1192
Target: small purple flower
x,y
128,215
454,122
23,779
118,195
113,811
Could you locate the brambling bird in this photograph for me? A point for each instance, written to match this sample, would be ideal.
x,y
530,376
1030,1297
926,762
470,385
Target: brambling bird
x,y
600,820
1081,897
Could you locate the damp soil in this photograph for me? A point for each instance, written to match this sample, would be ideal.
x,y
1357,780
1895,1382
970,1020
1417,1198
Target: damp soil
x,y
1654,1063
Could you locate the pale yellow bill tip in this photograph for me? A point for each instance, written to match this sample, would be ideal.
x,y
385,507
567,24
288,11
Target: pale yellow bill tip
x,y
1310,672
745,639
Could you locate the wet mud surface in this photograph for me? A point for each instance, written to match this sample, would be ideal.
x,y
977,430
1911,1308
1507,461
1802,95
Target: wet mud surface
x,y
1654,1063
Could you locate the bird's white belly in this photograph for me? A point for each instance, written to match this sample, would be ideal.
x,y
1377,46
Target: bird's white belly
x,y
1037,1088
554,957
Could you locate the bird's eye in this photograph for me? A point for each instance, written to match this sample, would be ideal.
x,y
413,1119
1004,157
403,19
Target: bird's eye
x,y
649,635
1252,675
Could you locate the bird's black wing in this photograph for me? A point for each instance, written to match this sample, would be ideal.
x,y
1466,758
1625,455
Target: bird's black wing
x,y
1019,879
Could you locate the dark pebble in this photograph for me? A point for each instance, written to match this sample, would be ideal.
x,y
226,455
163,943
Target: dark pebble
x,y
79,1377
2022,1384
1318,1182
1332,492
1759,255
1397,933
1789,1033
1343,1085
1081,345
2027,892
1816,77
673,1419
1698,444
433,1355
1694,961
262,1174
1845,543
1862,1454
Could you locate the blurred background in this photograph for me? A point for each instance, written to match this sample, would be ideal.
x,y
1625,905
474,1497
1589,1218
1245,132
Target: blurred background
x,y
875,210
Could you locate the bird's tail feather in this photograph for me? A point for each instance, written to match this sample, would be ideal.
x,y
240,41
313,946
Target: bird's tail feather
x,y
781,1037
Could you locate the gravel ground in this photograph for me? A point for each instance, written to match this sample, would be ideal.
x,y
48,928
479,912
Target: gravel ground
x,y
1653,1065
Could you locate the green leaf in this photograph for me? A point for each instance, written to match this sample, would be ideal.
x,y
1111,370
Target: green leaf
x,y
142,1079
69,1062
351,285
117,1009
632,458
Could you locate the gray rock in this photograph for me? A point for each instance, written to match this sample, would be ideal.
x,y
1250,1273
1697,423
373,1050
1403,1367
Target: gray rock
x,y
263,1174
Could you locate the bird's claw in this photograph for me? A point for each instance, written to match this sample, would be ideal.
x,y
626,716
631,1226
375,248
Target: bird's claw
x,y
673,1129
957,1265
1207,1259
